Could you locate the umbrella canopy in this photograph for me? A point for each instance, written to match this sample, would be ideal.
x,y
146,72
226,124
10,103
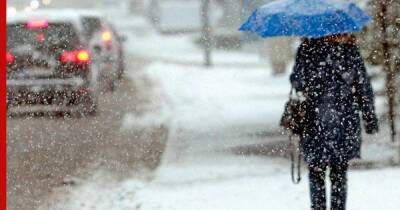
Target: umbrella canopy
x,y
306,18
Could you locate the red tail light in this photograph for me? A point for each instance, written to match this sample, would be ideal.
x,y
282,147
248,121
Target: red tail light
x,y
10,58
83,56
79,56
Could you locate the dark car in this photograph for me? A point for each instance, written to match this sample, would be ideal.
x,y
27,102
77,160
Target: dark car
x,y
50,66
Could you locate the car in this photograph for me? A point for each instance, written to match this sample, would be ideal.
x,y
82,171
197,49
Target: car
x,y
106,40
50,66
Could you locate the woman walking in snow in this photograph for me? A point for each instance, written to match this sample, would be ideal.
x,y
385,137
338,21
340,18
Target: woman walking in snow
x,y
331,75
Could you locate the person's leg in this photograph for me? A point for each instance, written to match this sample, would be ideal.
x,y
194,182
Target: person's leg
x,y
317,186
338,177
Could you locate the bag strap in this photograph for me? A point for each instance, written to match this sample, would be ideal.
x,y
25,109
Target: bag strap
x,y
296,177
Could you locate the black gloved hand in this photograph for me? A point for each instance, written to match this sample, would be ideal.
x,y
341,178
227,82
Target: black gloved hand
x,y
372,127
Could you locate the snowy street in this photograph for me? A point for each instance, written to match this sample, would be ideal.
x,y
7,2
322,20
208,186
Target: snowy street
x,y
213,117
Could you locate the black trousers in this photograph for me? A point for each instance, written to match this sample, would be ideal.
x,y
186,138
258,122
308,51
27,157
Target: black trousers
x,y
338,179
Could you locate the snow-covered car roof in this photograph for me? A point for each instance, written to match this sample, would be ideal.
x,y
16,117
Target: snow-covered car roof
x,y
71,16
55,15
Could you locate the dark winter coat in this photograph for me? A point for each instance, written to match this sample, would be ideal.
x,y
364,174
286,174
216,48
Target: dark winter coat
x,y
334,80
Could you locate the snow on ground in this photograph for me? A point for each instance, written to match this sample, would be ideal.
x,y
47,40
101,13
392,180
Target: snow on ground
x,y
238,183
224,181
209,99
233,102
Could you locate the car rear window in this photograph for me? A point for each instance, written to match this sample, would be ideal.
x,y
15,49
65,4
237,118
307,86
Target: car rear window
x,y
54,36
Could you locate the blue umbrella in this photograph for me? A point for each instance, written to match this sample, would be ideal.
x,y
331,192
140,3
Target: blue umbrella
x,y
306,18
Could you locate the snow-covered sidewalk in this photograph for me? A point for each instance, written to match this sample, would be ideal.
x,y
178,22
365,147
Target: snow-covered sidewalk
x,y
239,183
225,181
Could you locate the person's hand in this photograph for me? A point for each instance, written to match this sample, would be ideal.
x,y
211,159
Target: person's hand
x,y
371,127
